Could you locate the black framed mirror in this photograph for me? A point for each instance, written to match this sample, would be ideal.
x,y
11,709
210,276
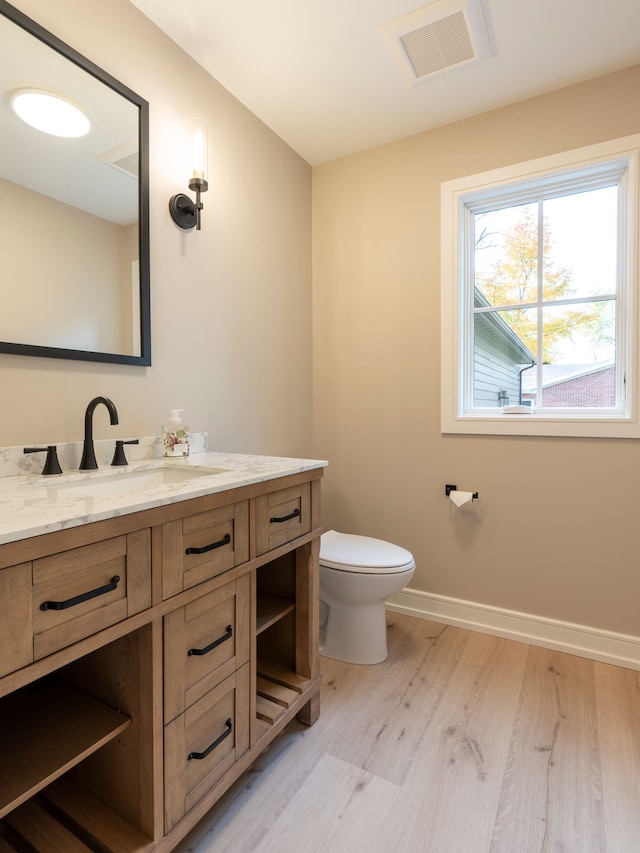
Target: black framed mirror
x,y
74,211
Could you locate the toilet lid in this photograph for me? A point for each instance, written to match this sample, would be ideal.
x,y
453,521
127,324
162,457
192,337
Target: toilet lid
x,y
351,553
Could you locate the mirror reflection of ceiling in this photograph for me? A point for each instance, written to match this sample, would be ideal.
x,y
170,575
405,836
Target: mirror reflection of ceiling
x,y
97,172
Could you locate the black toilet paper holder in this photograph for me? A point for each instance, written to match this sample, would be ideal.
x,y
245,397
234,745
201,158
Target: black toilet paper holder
x,y
448,489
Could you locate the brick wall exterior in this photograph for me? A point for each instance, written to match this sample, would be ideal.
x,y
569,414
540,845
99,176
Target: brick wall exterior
x,y
591,389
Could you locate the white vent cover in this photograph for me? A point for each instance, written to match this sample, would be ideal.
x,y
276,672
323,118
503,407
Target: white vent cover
x,y
441,35
128,164
124,158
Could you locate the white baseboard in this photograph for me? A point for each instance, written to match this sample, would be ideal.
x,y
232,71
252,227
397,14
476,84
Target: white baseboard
x,y
606,646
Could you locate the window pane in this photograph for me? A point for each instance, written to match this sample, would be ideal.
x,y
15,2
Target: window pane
x,y
500,353
580,244
505,255
579,356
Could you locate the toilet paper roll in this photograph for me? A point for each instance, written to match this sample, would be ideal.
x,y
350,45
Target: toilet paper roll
x,y
460,498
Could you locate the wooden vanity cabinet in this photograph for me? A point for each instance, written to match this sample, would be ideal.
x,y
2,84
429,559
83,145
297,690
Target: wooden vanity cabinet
x,y
173,645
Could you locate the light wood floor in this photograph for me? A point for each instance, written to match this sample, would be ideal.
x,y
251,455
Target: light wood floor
x,y
458,743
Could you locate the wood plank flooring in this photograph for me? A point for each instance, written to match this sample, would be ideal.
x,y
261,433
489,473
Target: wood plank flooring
x,y
458,743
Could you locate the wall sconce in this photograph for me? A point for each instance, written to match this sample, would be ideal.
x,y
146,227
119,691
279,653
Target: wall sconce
x,y
185,212
503,397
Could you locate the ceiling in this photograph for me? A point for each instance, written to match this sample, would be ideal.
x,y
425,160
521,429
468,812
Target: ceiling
x,y
322,76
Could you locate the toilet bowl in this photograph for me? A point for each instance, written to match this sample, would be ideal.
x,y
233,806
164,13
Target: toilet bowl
x,y
357,575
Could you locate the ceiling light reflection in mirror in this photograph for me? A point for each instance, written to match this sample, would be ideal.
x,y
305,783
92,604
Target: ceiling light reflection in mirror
x,y
50,113
76,172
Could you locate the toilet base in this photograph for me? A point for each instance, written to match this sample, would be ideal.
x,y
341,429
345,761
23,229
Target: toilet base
x,y
355,633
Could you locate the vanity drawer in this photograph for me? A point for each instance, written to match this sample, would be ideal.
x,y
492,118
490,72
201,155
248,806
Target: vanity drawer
x,y
79,592
203,743
282,516
201,546
204,642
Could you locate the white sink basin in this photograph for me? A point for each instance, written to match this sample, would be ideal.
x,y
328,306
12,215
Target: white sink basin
x,y
128,480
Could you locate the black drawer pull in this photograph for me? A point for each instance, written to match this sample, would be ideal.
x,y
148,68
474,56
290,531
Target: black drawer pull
x,y
207,649
200,755
291,515
224,541
84,596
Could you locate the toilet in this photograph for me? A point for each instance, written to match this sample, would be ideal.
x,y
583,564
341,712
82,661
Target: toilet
x,y
357,575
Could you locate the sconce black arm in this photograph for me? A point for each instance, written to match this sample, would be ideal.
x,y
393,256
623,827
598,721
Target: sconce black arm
x,y
185,212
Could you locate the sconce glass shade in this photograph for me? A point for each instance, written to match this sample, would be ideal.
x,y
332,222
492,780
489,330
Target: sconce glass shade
x,y
50,113
199,148
184,212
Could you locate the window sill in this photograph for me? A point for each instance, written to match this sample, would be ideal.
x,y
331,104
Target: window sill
x,y
593,426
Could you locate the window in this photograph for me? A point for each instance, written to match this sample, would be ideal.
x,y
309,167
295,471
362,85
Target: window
x,y
539,296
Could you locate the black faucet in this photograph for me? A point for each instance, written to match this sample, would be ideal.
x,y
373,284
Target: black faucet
x,y
88,462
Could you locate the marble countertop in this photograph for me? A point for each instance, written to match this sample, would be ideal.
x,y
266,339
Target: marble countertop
x,y
32,504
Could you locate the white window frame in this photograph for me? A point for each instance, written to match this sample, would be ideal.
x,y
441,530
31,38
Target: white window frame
x,y
457,198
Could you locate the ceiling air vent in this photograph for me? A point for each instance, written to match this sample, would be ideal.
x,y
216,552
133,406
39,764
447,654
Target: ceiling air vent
x,y
124,158
442,35
128,164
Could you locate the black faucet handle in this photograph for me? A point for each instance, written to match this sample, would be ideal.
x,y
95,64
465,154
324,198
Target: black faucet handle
x,y
51,465
118,457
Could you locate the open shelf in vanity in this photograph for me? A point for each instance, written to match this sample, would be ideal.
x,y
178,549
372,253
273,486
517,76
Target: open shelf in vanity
x,y
279,627
270,609
66,817
74,743
37,748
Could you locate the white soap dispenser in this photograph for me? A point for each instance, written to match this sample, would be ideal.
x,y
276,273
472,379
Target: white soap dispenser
x,y
175,436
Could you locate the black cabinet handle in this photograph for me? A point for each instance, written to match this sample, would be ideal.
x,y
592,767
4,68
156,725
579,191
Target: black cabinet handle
x,y
84,596
291,515
224,541
200,755
207,649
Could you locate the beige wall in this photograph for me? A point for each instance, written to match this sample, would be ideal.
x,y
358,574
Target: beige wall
x,y
75,296
554,532
231,305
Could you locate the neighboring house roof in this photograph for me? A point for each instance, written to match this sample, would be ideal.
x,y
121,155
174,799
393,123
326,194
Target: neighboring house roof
x,y
493,326
554,374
